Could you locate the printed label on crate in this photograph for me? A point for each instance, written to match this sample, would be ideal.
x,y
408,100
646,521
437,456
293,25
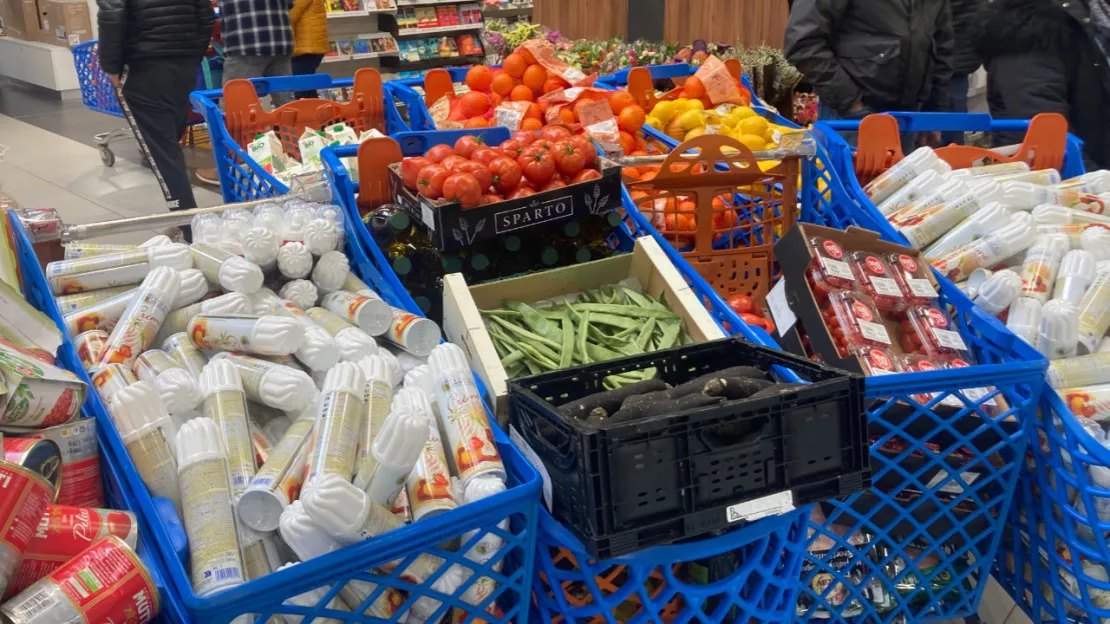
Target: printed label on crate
x,y
770,505
873,331
534,214
537,463
952,487
837,268
780,310
428,215
950,339
922,287
886,286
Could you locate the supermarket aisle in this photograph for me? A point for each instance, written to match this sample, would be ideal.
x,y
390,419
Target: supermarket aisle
x,y
46,169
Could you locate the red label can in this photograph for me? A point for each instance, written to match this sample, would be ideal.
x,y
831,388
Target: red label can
x,y
64,532
39,456
106,582
80,485
24,496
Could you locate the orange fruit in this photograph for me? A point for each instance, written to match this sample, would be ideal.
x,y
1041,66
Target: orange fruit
x,y
502,84
526,55
694,88
534,112
474,104
631,117
521,93
552,84
641,144
567,116
515,65
495,99
534,77
619,100
628,142
531,124
476,122
479,78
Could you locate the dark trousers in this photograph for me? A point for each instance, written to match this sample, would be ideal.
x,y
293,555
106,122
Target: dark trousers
x,y
957,103
304,65
157,92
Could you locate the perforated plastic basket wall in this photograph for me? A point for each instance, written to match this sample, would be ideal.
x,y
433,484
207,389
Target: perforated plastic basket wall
x,y
97,91
117,494
510,516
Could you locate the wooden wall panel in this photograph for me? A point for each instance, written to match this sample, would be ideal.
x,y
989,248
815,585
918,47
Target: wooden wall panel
x,y
584,19
750,21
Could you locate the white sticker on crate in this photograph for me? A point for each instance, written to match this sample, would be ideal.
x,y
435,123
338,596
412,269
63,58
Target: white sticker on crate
x,y
780,310
952,487
886,286
537,463
837,268
922,287
428,216
873,331
770,505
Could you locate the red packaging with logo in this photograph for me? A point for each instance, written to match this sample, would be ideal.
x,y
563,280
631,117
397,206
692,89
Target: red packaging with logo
x,y
928,331
876,280
913,278
829,270
878,361
854,322
24,496
914,363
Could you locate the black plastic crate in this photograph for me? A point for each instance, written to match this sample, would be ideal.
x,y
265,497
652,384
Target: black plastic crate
x,y
621,488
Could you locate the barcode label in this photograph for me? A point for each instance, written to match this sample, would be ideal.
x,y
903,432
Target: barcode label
x,y
42,600
922,287
225,574
949,339
886,286
836,268
873,331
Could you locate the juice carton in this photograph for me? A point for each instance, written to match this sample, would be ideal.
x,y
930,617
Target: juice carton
x,y
311,142
340,134
266,150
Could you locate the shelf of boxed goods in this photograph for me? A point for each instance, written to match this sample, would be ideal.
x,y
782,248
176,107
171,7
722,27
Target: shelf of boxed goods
x,y
357,57
491,13
363,13
415,32
430,3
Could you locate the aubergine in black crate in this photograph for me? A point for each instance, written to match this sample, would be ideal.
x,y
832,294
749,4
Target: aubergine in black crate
x,y
622,485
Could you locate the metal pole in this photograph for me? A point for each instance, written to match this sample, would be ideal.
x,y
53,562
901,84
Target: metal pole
x,y
149,222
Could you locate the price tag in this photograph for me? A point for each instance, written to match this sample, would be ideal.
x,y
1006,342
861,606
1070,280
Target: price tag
x,y
873,331
752,510
836,268
922,287
507,117
428,216
573,93
886,286
950,339
780,310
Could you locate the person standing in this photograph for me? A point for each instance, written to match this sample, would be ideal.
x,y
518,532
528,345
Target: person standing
x,y
310,39
867,56
965,60
1044,56
151,50
258,41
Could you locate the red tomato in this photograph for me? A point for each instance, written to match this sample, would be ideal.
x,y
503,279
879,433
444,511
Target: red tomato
x,y
490,198
466,145
453,161
586,175
537,165
506,174
430,181
438,153
479,171
513,148
740,304
542,144
555,133
523,191
463,188
485,155
587,147
553,184
569,159
754,321
525,137
410,170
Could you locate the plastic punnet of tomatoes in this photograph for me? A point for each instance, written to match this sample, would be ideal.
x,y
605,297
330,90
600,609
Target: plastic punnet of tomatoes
x,y
829,271
854,322
927,330
878,361
876,280
913,278
917,363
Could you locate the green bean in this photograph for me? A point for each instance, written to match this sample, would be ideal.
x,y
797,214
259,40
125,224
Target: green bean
x,y
646,333
626,310
524,333
583,337
512,358
567,355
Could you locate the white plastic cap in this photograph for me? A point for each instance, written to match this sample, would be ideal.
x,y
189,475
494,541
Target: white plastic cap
x,y
163,282
199,439
331,271
422,379
483,486
282,387
277,335
1097,241
998,292
229,303
318,350
260,246
1057,242
344,377
137,406
1025,319
355,344
240,275
1051,214
448,357
220,374
175,256
304,537
294,260
405,431
337,506
320,236
396,372
1059,334
192,288
155,241
376,368
179,391
264,300
412,399
206,228
301,292
1077,269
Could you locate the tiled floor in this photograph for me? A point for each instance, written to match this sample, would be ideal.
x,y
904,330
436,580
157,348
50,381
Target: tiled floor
x,y
52,163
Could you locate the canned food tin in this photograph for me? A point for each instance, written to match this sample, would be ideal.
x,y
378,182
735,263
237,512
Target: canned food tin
x,y
43,457
90,346
106,582
25,497
81,485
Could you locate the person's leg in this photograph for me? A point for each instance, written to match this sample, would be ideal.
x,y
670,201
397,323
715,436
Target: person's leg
x,y
236,67
279,66
957,104
153,93
306,65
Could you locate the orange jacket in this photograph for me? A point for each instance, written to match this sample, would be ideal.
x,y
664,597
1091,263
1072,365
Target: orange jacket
x,y
310,27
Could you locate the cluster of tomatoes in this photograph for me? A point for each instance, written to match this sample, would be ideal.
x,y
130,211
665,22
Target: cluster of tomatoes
x,y
750,313
675,215
475,174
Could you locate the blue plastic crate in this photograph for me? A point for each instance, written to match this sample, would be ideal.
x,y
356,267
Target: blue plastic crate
x,y
117,494
97,91
263,597
241,179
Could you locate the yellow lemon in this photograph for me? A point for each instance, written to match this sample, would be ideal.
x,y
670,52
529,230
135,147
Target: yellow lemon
x,y
769,136
681,105
691,119
770,145
696,132
695,105
752,141
743,112
663,111
753,125
654,122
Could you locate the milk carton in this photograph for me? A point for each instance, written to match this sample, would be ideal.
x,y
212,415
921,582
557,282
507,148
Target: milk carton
x,y
340,134
370,134
311,142
266,150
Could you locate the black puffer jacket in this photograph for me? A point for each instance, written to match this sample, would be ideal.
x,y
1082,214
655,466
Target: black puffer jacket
x,y
891,54
965,25
132,30
1041,56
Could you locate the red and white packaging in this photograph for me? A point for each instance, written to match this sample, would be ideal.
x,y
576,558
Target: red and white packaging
x,y
720,86
929,331
106,582
510,114
81,484
830,270
878,361
62,533
876,280
913,278
24,496
42,457
544,53
858,323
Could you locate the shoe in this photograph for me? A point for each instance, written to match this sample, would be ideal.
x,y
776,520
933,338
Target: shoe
x,y
207,176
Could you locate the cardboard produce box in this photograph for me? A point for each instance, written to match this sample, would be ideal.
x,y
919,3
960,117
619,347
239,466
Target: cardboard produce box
x,y
463,324
65,23
20,19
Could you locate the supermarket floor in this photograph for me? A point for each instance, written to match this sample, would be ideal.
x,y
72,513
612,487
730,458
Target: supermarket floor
x,y
52,162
